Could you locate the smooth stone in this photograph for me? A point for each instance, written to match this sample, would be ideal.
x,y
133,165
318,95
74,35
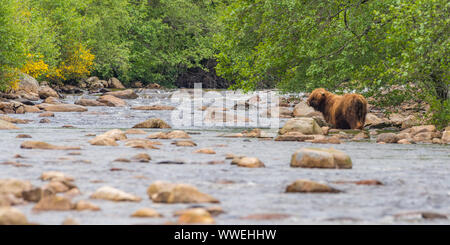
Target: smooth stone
x,y
304,125
152,123
309,186
320,158
45,146
113,194
146,213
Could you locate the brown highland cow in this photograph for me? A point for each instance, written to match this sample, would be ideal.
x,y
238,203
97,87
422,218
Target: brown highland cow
x,y
344,112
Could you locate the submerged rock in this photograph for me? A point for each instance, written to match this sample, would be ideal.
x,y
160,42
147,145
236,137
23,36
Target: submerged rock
x,y
88,102
63,108
113,194
123,94
142,157
164,192
47,114
320,158
152,123
205,151
294,136
146,213
111,101
153,108
195,216
142,144
85,205
54,175
7,125
310,187
187,143
116,134
176,134
45,146
14,120
135,131
103,140
302,125
70,221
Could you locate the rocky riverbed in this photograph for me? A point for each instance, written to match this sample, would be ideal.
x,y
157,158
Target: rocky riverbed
x,y
98,159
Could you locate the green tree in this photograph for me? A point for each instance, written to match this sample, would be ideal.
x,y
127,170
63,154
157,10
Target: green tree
x,y
12,53
169,36
107,31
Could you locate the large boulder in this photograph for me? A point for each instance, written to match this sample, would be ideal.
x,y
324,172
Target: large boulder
x,y
152,123
320,158
154,108
46,91
88,102
163,192
304,125
304,110
446,137
373,121
115,83
124,94
28,84
111,101
12,107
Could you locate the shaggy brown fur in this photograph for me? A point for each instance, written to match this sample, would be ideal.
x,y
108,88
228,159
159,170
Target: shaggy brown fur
x,y
344,112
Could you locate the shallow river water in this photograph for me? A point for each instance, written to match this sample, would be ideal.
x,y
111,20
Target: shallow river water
x,y
415,177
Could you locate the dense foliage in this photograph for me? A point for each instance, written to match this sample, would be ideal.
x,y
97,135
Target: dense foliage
x,y
398,48
63,41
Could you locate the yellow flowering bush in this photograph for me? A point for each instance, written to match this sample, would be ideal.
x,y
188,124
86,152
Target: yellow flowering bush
x,y
78,64
35,66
